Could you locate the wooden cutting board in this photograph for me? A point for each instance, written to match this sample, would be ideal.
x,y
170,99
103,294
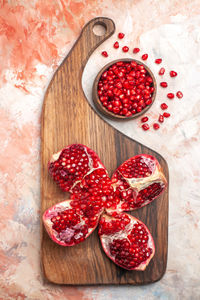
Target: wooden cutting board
x,y
68,118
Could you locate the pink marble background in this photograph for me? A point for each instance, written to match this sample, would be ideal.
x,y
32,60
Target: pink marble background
x,y
34,38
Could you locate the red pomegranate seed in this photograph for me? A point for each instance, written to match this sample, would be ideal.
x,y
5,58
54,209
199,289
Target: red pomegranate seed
x,y
161,119
162,71
164,106
125,49
136,50
158,61
121,35
125,88
156,126
116,45
173,73
144,119
164,84
145,127
166,115
170,95
144,56
179,94
104,53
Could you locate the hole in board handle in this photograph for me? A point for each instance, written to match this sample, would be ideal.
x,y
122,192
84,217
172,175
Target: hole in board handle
x,y
99,29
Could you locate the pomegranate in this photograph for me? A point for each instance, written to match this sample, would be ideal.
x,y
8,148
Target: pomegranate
x,y
137,182
70,222
71,165
126,241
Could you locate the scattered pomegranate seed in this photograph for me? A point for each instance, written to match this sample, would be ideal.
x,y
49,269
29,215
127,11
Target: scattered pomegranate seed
x,y
144,119
121,35
116,45
136,50
156,126
158,61
161,119
164,106
145,127
170,95
144,56
173,73
164,84
166,115
179,94
104,53
125,49
162,71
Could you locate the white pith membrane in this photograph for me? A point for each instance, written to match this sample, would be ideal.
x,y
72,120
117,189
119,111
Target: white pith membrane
x,y
107,239
55,157
138,184
68,232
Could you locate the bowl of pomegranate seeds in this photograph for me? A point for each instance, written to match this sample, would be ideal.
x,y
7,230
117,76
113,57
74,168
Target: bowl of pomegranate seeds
x,y
124,89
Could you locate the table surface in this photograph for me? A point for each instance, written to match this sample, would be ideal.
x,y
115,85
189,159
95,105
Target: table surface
x,y
34,38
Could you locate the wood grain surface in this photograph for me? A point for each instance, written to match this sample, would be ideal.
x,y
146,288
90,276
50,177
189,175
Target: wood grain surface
x,y
68,118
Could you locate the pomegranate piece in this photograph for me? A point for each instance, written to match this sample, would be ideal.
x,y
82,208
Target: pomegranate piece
x,y
125,49
126,241
121,35
144,56
145,127
173,73
158,61
116,45
162,71
125,88
164,84
166,115
137,182
70,222
164,106
97,187
104,53
170,95
144,119
179,94
69,166
156,126
136,50
161,119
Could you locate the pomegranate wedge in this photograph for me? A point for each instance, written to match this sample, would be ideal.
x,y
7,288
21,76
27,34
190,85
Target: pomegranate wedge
x,y
126,241
138,181
69,166
70,222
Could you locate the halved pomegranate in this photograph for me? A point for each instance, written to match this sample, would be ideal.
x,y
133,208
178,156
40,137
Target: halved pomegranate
x,y
137,182
70,222
126,241
69,166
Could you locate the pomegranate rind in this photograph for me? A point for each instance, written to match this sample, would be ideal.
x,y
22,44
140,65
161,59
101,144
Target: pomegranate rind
x,y
106,239
53,211
135,185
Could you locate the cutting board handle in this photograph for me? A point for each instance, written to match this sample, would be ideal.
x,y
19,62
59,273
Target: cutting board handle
x,y
89,41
